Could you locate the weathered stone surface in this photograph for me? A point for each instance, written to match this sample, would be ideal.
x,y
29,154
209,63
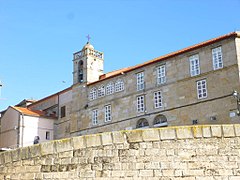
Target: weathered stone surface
x,y
47,148
79,142
93,140
184,133
167,133
63,145
216,130
178,153
106,138
150,135
228,131
118,137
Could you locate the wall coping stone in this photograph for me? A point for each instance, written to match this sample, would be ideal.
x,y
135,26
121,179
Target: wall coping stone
x,y
121,137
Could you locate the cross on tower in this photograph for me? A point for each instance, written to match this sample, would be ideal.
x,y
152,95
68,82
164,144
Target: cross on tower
x,y
88,37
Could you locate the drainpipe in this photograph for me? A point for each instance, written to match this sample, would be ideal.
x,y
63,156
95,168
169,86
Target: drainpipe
x,y
22,130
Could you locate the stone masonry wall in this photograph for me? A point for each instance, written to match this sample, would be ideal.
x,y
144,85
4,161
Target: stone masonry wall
x,y
210,152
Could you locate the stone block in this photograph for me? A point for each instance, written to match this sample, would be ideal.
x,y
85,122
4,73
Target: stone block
x,y
206,131
24,153
93,140
7,157
216,130
118,137
146,173
79,142
184,132
63,145
167,133
134,136
197,131
16,155
228,131
34,151
2,161
47,148
150,135
237,129
106,138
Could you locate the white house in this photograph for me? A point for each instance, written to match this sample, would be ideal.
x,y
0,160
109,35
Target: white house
x,y
20,125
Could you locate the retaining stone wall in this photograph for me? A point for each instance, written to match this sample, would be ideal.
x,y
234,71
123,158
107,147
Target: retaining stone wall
x,y
179,153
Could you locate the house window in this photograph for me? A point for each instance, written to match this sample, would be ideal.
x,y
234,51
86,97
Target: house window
x,y
160,121
142,123
140,104
110,88
194,65
93,94
108,113
217,58
119,85
161,74
47,135
101,91
158,99
95,117
140,81
202,89
63,111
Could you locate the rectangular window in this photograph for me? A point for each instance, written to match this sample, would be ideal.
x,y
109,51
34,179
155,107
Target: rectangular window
x,y
95,117
140,81
47,135
108,113
194,65
217,58
202,89
158,99
140,104
63,111
161,74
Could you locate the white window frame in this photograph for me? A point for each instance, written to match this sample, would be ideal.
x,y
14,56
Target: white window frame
x,y
108,112
119,85
110,88
95,116
194,65
217,58
140,103
93,93
161,74
48,135
202,89
158,99
140,81
101,91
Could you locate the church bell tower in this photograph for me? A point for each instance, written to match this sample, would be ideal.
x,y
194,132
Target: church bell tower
x,y
87,65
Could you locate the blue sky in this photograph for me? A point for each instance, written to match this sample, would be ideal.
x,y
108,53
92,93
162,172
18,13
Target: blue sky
x,y
38,38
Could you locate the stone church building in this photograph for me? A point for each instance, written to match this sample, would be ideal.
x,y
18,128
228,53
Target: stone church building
x,y
191,86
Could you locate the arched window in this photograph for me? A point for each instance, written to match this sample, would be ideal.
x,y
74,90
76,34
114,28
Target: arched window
x,y
142,123
110,88
93,94
101,91
160,121
119,85
80,71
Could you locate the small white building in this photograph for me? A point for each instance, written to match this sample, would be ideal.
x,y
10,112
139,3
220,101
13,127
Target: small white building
x,y
20,125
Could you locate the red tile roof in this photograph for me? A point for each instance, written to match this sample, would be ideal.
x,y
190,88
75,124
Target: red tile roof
x,y
164,57
29,112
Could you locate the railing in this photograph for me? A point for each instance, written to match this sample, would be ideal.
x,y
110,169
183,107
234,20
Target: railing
x,y
86,52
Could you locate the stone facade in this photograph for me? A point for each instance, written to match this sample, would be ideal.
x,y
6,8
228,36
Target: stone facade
x,y
169,80
208,152
180,103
